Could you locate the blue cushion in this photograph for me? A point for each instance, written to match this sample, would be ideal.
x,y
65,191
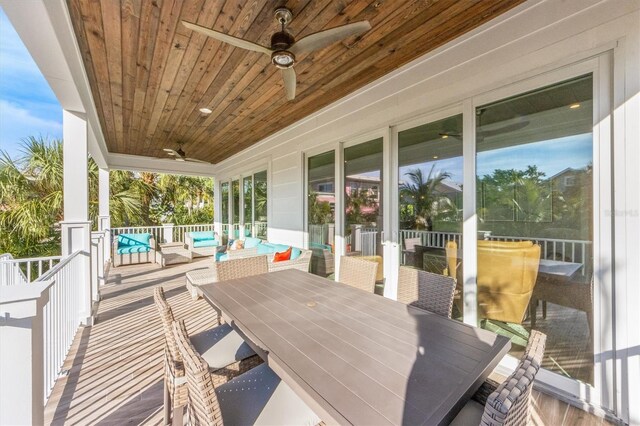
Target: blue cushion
x,y
134,249
205,243
202,236
133,240
251,242
295,253
221,257
265,249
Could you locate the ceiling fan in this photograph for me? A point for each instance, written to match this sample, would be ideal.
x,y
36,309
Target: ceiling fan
x,y
481,134
180,155
284,46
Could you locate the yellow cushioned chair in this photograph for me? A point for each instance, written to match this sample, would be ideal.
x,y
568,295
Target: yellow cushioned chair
x,y
507,274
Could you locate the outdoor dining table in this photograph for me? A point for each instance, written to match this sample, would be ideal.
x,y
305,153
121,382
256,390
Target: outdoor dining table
x,y
355,357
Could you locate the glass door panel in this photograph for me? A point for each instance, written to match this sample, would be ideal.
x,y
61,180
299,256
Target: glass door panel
x,y
260,205
224,207
321,214
430,199
235,196
363,182
247,191
535,221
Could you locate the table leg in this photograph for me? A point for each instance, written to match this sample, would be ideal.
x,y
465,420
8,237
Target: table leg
x,y
533,310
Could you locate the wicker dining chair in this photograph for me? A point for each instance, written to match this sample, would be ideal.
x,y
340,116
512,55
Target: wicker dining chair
x,y
508,403
227,354
227,270
358,273
257,397
432,292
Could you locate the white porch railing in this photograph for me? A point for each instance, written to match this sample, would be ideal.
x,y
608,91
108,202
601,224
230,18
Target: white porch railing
x,y
179,231
22,271
61,315
577,251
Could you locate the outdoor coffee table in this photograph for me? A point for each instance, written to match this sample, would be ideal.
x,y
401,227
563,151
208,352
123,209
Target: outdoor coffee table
x,y
355,357
172,253
197,278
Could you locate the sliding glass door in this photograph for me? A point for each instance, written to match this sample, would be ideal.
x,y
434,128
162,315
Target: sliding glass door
x,y
363,192
430,199
534,174
321,212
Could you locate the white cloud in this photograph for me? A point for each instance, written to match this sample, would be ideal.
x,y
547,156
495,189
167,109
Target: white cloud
x,y
17,123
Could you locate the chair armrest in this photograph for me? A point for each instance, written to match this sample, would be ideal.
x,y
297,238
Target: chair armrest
x,y
152,244
487,388
188,241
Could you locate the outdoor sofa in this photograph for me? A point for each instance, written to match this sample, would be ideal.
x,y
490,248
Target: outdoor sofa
x,y
202,243
130,249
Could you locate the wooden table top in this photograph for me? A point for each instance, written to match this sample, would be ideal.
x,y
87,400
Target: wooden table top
x,y
355,357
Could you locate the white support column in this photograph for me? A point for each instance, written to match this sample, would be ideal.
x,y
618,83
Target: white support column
x,y
76,227
104,218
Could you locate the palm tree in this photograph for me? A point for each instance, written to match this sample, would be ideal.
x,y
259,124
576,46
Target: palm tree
x,y
423,192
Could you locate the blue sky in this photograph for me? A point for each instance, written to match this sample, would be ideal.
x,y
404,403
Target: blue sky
x,y
551,157
28,106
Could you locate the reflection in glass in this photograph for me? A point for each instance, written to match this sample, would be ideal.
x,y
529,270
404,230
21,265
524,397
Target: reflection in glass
x,y
260,204
321,212
363,202
247,191
235,196
224,206
430,199
534,208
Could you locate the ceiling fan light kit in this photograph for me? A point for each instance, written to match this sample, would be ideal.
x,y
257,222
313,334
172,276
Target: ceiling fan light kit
x,y
284,46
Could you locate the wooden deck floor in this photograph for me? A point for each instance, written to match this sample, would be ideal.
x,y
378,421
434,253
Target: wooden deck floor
x,y
115,367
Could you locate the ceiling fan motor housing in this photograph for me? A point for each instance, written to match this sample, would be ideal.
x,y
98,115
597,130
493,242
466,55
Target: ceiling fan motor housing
x,y
281,57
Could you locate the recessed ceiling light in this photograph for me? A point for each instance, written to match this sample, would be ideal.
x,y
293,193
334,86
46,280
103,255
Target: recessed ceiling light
x,y
435,157
445,136
205,110
574,106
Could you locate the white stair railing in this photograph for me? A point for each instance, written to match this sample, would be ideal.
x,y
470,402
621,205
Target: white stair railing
x,y
61,315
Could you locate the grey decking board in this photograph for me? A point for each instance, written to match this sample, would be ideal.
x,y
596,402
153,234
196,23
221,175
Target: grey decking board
x,y
338,375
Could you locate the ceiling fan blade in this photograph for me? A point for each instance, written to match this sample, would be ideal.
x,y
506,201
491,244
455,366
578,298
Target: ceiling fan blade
x,y
324,38
289,76
170,152
235,41
195,160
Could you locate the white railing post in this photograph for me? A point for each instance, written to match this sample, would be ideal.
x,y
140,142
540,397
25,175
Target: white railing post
x,y
104,219
97,264
167,232
22,388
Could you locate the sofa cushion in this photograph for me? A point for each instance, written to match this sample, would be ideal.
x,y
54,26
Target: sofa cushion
x,y
202,236
134,249
265,248
205,243
134,240
221,257
250,242
320,246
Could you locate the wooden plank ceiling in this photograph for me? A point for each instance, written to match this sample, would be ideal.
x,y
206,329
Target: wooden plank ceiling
x,y
150,75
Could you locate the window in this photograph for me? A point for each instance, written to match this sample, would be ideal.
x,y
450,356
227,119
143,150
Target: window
x,y
235,196
534,184
430,199
321,213
224,206
260,205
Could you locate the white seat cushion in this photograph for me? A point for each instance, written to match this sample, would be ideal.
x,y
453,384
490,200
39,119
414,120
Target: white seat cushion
x,y
221,346
259,397
470,415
